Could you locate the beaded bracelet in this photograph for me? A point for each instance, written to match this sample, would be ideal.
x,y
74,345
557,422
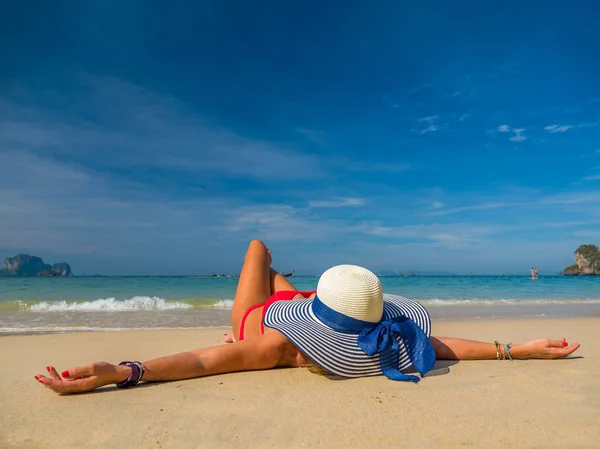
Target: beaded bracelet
x,y
498,350
508,345
137,372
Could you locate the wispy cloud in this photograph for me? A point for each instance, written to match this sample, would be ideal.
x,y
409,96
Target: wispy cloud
x,y
519,135
437,204
431,127
572,198
588,124
135,127
450,235
475,207
352,165
277,223
558,128
338,202
591,178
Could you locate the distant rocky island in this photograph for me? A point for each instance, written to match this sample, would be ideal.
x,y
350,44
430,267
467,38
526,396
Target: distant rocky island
x,y
587,262
25,265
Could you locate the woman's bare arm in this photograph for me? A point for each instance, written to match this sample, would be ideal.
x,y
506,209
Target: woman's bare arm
x,y
459,349
263,352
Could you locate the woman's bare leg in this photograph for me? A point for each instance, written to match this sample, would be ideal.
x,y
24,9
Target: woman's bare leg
x,y
277,283
254,286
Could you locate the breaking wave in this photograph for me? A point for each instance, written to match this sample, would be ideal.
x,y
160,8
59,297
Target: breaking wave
x,y
110,304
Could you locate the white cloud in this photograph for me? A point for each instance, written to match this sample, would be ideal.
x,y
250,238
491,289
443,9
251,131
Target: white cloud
x,y
518,137
558,128
476,207
572,198
588,124
595,233
452,235
437,204
135,127
432,127
338,202
278,223
429,129
591,178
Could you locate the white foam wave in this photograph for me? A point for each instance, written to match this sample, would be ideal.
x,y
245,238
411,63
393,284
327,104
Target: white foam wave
x,y
70,329
506,302
223,304
110,304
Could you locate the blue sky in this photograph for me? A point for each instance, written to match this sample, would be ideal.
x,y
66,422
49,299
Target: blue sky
x,y
153,138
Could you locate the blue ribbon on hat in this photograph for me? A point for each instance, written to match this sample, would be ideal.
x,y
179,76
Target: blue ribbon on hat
x,y
382,339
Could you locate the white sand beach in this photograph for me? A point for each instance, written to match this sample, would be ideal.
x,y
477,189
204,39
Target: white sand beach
x,y
491,404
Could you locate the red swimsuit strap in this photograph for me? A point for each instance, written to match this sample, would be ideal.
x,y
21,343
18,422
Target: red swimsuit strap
x,y
283,295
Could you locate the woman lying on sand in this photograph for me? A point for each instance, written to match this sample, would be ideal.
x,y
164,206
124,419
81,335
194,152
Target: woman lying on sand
x,y
346,328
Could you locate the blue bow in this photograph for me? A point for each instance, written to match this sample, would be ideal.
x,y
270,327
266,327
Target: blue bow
x,y
382,339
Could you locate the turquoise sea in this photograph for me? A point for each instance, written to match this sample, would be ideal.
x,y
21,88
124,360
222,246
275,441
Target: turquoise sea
x,y
109,303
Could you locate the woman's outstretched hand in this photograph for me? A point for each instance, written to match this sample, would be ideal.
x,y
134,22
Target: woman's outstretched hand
x,y
83,378
545,349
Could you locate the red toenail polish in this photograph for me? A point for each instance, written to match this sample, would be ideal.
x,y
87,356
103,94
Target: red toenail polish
x,y
65,373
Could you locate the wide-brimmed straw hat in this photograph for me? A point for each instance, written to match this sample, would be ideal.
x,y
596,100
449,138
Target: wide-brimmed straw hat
x,y
352,329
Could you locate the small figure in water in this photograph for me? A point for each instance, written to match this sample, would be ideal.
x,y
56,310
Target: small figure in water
x,y
534,273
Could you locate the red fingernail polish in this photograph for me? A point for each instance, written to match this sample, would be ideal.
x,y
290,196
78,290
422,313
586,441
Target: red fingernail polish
x,y
36,377
65,373
48,368
565,344
40,381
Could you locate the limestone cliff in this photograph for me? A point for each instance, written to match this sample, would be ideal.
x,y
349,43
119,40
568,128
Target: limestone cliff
x,y
25,265
587,259
62,269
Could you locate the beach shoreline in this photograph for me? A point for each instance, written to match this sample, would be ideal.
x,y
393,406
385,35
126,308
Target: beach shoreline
x,y
32,322
529,403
